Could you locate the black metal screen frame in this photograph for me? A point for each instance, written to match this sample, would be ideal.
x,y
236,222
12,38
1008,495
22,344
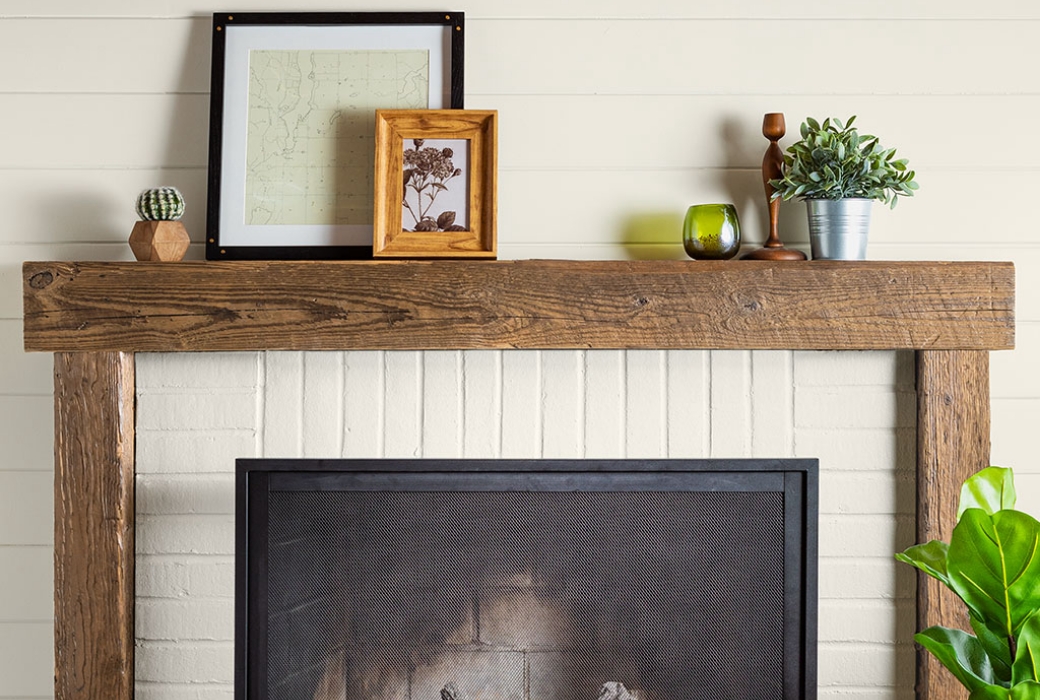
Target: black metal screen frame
x,y
796,479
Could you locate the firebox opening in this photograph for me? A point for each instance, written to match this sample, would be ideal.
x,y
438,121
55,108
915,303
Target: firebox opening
x,y
533,580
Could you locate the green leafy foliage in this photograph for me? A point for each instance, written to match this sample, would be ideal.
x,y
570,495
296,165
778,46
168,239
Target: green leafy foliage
x,y
992,563
834,161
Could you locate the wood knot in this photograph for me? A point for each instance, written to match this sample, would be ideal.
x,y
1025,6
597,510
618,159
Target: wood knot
x,y
642,301
752,305
41,280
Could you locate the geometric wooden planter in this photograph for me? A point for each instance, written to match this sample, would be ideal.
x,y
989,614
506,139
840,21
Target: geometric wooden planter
x,y
159,241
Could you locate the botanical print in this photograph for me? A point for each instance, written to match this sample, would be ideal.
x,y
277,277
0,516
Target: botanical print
x,y
435,185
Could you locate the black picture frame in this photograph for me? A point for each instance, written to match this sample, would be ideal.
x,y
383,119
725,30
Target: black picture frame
x,y
236,35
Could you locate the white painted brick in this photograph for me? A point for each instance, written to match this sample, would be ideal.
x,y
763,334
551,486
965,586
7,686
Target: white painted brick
x,y
26,659
282,429
27,432
854,407
865,579
865,665
363,411
689,403
772,404
482,407
188,691
26,584
646,433
865,535
868,493
521,404
442,403
832,368
186,534
187,494
871,449
605,388
563,403
192,452
26,508
23,373
180,576
402,428
730,404
871,621
223,410
322,426
173,662
184,620
195,370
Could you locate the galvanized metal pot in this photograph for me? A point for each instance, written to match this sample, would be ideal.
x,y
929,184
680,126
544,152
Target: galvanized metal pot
x,y
838,228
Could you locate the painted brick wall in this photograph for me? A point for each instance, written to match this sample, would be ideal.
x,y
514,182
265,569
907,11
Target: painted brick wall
x,y
197,413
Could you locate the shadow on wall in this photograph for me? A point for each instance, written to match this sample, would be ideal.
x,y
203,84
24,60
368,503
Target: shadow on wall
x,y
653,236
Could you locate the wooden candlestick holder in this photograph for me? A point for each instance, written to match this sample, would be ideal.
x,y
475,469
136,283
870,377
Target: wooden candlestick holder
x,y
773,128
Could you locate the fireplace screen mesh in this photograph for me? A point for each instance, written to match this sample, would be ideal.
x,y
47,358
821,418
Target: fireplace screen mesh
x,y
524,595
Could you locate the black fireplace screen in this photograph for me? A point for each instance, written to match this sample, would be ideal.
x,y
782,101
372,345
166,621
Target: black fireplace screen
x,y
534,580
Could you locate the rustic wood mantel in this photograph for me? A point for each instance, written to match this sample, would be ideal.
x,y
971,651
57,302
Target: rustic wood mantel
x,y
95,315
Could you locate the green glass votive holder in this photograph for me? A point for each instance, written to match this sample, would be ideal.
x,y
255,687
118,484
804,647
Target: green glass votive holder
x,y
711,232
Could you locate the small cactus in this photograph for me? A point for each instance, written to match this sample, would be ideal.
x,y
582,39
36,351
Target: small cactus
x,y
160,204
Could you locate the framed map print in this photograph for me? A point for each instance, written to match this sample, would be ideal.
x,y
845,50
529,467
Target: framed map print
x,y
292,123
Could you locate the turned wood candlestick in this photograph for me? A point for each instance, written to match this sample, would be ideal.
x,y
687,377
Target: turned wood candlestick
x,y
773,128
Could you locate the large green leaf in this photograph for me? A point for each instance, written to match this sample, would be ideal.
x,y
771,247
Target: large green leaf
x,y
992,489
929,558
961,653
1027,658
990,692
994,566
997,647
1030,690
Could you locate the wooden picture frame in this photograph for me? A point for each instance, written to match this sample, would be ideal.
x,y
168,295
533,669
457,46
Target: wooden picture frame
x,y
293,97
436,181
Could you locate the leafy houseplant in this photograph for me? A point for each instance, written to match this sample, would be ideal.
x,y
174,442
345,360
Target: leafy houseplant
x,y
834,161
839,173
992,563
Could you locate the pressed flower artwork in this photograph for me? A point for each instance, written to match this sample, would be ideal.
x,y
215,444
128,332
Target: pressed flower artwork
x,y
436,185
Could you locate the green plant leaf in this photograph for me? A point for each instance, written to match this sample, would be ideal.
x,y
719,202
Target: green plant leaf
x,y
991,489
994,566
1030,690
1027,658
960,653
990,692
997,648
929,558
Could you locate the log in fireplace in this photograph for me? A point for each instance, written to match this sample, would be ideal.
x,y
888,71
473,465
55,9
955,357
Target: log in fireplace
x,y
526,579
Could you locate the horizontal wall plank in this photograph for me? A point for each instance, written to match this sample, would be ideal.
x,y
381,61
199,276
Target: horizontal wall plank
x,y
603,56
588,55
82,55
543,132
479,9
94,205
525,304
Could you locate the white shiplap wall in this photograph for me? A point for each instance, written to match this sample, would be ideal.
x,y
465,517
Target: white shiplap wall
x,y
855,412
614,117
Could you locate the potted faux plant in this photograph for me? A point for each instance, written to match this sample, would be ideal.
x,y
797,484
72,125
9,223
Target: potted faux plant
x,y
839,173
992,563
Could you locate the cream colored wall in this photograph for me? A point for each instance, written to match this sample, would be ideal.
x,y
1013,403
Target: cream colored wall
x,y
614,117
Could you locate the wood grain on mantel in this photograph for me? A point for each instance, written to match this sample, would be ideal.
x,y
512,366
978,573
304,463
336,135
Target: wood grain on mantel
x,y
238,306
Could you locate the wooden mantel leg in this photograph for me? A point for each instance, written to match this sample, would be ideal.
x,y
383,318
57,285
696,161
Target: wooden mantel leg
x,y
953,442
94,526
